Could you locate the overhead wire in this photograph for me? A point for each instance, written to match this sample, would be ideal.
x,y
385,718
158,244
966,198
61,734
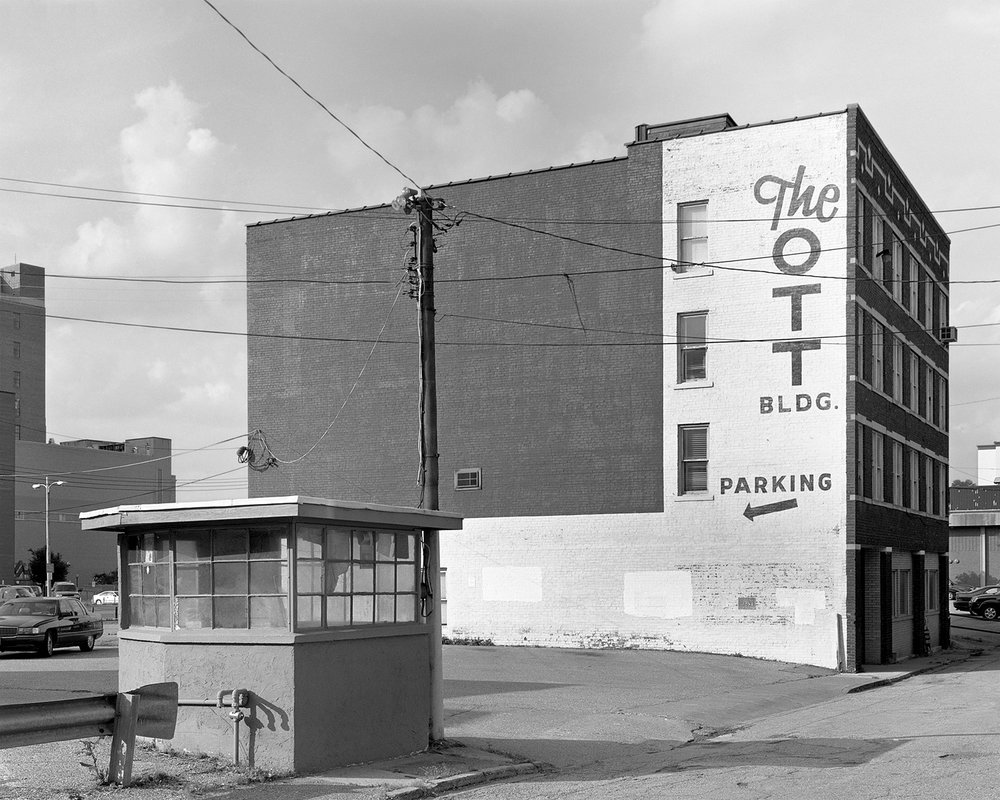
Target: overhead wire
x,y
302,89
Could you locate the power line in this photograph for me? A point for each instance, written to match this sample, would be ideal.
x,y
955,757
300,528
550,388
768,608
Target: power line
x,y
301,88
118,466
370,212
280,206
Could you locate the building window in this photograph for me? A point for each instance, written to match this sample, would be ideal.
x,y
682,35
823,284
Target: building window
x,y
692,236
693,458
923,463
691,347
878,466
468,479
928,313
17,406
354,576
929,405
897,473
16,349
914,382
897,269
17,320
17,379
942,488
878,244
902,591
859,460
897,370
914,480
889,264
905,279
932,589
915,278
877,352
865,338
17,432
942,401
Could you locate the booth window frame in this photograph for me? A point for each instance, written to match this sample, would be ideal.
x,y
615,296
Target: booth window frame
x,y
166,591
350,576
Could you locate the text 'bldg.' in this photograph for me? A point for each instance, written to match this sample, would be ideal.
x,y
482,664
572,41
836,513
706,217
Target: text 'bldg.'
x,y
694,397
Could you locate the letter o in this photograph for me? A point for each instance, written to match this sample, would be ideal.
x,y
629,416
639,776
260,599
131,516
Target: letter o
x,y
779,251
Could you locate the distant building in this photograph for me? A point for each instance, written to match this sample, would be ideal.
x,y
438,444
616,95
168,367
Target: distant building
x,y
690,398
974,549
22,347
97,473
988,464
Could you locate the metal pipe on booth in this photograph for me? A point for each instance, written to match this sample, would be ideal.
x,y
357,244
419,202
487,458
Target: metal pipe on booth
x,y
239,699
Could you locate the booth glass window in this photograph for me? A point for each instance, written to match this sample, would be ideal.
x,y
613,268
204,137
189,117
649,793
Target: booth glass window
x,y
148,557
220,578
354,576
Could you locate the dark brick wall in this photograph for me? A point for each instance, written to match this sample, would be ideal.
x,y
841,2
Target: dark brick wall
x,y
560,420
868,524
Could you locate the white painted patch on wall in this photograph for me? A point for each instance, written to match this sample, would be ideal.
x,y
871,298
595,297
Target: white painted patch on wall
x,y
518,584
666,595
806,603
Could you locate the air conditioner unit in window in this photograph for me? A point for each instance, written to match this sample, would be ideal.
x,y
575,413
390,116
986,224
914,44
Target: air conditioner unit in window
x,y
948,335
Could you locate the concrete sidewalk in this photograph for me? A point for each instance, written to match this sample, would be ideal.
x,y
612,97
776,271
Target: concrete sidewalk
x,y
516,711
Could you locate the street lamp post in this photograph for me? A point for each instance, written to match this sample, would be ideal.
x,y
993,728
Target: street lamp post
x,y
48,550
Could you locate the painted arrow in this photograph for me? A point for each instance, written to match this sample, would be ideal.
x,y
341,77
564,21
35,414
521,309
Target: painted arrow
x,y
770,508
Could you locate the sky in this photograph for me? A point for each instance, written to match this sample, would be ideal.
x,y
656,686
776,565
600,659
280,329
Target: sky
x,y
146,303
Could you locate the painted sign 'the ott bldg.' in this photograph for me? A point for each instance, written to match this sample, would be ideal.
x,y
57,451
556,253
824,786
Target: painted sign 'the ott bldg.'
x,y
697,403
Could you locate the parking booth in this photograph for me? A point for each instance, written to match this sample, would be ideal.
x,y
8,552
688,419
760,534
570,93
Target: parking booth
x,y
298,629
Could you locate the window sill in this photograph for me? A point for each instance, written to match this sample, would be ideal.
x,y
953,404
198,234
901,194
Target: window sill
x,y
694,498
698,272
273,636
706,384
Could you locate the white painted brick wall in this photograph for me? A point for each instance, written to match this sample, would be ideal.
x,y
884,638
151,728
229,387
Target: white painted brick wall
x,y
674,580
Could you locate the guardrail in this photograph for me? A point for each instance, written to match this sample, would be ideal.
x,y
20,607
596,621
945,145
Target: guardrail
x,y
147,711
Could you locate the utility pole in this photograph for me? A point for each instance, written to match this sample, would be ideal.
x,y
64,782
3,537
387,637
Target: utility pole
x,y
424,207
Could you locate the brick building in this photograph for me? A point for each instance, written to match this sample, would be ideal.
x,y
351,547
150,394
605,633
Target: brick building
x,y
691,398
97,473
22,345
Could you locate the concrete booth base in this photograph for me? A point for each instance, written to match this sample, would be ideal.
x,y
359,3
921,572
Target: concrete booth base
x,y
335,661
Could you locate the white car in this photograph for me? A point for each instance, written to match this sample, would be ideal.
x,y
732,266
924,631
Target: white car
x,y
105,597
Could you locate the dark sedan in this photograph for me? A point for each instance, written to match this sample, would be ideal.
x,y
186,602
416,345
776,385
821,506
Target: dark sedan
x,y
986,606
44,623
963,599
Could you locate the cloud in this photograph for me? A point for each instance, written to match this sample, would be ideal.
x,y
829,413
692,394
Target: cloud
x,y
164,148
188,387
483,132
675,21
977,18
99,245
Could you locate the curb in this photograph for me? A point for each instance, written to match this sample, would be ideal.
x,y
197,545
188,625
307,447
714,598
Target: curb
x,y
453,782
918,671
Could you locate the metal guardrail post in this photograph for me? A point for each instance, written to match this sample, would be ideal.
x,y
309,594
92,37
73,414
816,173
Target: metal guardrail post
x,y
147,711
123,740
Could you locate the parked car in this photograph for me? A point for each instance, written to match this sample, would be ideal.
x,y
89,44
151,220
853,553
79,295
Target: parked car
x,y
10,592
103,598
954,588
986,605
963,599
64,589
44,623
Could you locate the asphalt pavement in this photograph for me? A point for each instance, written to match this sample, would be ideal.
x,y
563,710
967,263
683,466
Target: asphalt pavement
x,y
512,711
517,711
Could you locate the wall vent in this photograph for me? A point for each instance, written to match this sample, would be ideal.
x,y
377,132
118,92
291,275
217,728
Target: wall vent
x,y
470,478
